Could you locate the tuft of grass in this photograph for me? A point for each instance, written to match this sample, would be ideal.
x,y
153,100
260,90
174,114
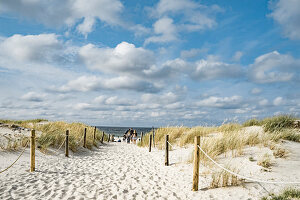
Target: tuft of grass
x,y
287,194
279,152
252,122
224,179
278,123
265,161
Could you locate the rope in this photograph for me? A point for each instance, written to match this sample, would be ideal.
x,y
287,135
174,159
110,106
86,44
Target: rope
x,y
15,160
241,176
171,145
61,144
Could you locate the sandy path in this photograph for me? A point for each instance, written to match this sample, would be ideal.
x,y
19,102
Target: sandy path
x,y
114,171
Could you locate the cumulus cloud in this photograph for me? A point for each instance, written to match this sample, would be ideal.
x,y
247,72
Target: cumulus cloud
x,y
274,67
286,13
41,48
93,83
221,102
124,58
192,16
213,69
67,13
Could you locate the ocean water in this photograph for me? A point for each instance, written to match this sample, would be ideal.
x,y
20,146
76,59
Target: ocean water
x,y
119,131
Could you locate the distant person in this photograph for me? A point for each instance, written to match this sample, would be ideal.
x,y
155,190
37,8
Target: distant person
x,y
131,134
134,138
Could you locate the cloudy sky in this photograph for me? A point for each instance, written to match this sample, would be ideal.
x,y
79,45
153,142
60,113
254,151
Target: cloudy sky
x,y
149,63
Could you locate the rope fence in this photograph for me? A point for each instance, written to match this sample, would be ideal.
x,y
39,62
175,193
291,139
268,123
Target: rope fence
x,y
33,147
241,176
16,159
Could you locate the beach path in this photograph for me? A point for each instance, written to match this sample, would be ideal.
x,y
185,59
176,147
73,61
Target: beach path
x,y
113,171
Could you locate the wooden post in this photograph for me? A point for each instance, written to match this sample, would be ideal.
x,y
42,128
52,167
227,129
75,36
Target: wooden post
x,y
142,135
67,144
95,129
32,151
153,136
196,163
150,141
167,151
108,138
102,137
84,138
112,138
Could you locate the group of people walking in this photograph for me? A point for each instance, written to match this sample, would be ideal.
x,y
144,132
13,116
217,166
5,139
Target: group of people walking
x,y
130,136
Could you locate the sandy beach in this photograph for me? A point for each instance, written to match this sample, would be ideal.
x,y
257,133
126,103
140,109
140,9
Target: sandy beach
x,y
118,170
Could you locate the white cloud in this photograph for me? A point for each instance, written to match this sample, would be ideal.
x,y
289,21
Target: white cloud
x,y
263,102
93,83
286,13
191,16
42,48
278,101
213,69
195,15
67,13
124,58
165,31
221,102
274,67
33,96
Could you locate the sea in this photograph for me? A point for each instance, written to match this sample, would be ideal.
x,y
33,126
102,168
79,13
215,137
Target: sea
x,y
119,131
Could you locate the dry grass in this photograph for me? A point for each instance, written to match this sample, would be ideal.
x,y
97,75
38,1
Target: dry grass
x,y
224,179
14,144
53,134
265,161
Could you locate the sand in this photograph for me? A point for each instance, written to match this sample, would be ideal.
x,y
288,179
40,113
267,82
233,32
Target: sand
x,y
125,171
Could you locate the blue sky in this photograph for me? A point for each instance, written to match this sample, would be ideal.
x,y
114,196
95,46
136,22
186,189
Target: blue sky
x,y
149,63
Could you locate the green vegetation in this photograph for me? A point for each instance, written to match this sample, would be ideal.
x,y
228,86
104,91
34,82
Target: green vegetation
x,y
287,194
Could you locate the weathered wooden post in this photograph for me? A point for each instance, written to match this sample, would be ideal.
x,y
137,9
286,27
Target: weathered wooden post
x,y
112,138
196,163
150,141
153,136
167,151
67,144
84,138
95,129
142,135
108,138
32,151
102,137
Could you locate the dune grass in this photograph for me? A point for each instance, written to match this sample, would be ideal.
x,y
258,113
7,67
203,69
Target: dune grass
x,y
230,137
53,134
287,194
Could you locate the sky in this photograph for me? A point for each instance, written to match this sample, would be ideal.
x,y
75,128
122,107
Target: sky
x,y
149,63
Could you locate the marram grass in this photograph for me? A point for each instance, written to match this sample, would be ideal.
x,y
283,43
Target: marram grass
x,y
54,133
